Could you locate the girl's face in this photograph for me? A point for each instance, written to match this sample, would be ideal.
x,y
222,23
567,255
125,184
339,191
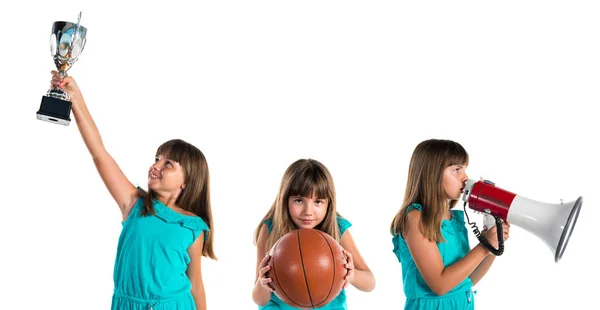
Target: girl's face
x,y
165,175
307,212
454,181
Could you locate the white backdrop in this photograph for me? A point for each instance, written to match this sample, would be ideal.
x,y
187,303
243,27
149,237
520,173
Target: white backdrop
x,y
258,84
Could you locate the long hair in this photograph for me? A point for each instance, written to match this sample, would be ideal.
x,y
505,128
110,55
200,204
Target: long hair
x,y
195,197
424,185
304,178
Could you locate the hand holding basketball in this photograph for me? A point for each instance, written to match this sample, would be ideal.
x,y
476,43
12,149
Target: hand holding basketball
x,y
265,281
350,266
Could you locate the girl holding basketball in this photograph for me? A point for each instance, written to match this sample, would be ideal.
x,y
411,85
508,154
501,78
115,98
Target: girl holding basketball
x,y
306,199
430,240
166,230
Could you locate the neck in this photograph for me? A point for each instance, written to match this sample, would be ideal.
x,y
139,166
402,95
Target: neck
x,y
168,199
447,213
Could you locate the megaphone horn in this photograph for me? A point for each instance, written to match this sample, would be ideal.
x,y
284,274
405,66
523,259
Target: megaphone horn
x,y
553,223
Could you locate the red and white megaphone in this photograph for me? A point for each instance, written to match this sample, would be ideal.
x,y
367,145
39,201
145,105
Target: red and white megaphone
x,y
553,223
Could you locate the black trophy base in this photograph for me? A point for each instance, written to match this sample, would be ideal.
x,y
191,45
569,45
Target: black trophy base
x,y
55,111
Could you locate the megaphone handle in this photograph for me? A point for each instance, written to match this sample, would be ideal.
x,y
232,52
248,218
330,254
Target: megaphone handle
x,y
489,221
500,235
481,238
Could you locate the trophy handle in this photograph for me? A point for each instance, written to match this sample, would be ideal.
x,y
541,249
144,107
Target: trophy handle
x,y
64,74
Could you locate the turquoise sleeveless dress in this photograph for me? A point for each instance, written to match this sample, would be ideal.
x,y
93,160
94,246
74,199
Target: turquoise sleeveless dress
x,y
338,303
418,294
152,259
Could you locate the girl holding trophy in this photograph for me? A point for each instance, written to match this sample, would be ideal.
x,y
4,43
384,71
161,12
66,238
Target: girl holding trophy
x,y
166,229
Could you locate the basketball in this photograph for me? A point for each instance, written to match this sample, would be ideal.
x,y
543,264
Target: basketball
x,y
307,268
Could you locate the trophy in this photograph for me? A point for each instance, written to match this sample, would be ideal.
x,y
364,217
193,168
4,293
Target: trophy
x,y
66,44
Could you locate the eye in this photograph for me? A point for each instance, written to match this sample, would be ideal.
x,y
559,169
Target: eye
x,y
156,159
168,164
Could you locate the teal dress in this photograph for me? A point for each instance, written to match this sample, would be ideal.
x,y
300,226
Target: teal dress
x,y
338,303
456,246
152,259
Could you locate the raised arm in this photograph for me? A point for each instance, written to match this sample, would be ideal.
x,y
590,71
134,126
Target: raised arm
x,y
122,191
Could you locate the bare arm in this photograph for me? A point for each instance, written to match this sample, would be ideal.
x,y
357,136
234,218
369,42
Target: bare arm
x,y
194,272
483,268
363,278
429,261
122,191
261,293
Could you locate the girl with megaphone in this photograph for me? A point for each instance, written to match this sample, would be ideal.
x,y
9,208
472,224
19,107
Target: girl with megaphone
x,y
430,240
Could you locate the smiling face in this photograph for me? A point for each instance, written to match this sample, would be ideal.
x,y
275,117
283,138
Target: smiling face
x,y
453,181
307,212
166,175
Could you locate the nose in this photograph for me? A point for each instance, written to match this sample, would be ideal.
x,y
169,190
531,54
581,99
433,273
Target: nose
x,y
306,209
465,177
157,166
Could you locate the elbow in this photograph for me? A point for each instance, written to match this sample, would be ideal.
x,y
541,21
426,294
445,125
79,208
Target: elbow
x,y
364,280
260,301
260,298
440,290
371,285
198,292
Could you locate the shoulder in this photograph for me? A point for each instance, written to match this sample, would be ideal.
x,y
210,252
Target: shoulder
x,y
268,223
458,215
414,206
343,224
134,211
413,213
413,220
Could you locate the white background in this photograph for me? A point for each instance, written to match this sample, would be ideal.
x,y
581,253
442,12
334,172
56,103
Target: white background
x,y
258,84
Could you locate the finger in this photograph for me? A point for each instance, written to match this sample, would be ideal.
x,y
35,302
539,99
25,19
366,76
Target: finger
x,y
266,282
264,270
349,274
265,260
349,258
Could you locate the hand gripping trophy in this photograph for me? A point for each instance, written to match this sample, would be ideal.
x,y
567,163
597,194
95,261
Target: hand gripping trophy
x,y
66,44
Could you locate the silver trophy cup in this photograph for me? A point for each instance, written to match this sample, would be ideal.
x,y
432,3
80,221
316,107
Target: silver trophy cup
x,y
66,44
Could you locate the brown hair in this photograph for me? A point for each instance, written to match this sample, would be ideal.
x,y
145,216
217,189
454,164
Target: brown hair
x,y
304,178
424,185
195,197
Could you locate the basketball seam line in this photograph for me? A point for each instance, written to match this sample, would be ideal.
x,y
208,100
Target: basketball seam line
x,y
277,278
334,266
304,271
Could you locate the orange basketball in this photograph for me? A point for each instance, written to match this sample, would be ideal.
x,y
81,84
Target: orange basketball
x,y
307,268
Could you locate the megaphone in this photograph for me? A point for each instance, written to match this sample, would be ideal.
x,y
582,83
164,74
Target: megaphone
x,y
553,223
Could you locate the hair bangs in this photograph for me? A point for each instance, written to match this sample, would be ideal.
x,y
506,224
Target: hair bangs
x,y
457,155
177,150
309,183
